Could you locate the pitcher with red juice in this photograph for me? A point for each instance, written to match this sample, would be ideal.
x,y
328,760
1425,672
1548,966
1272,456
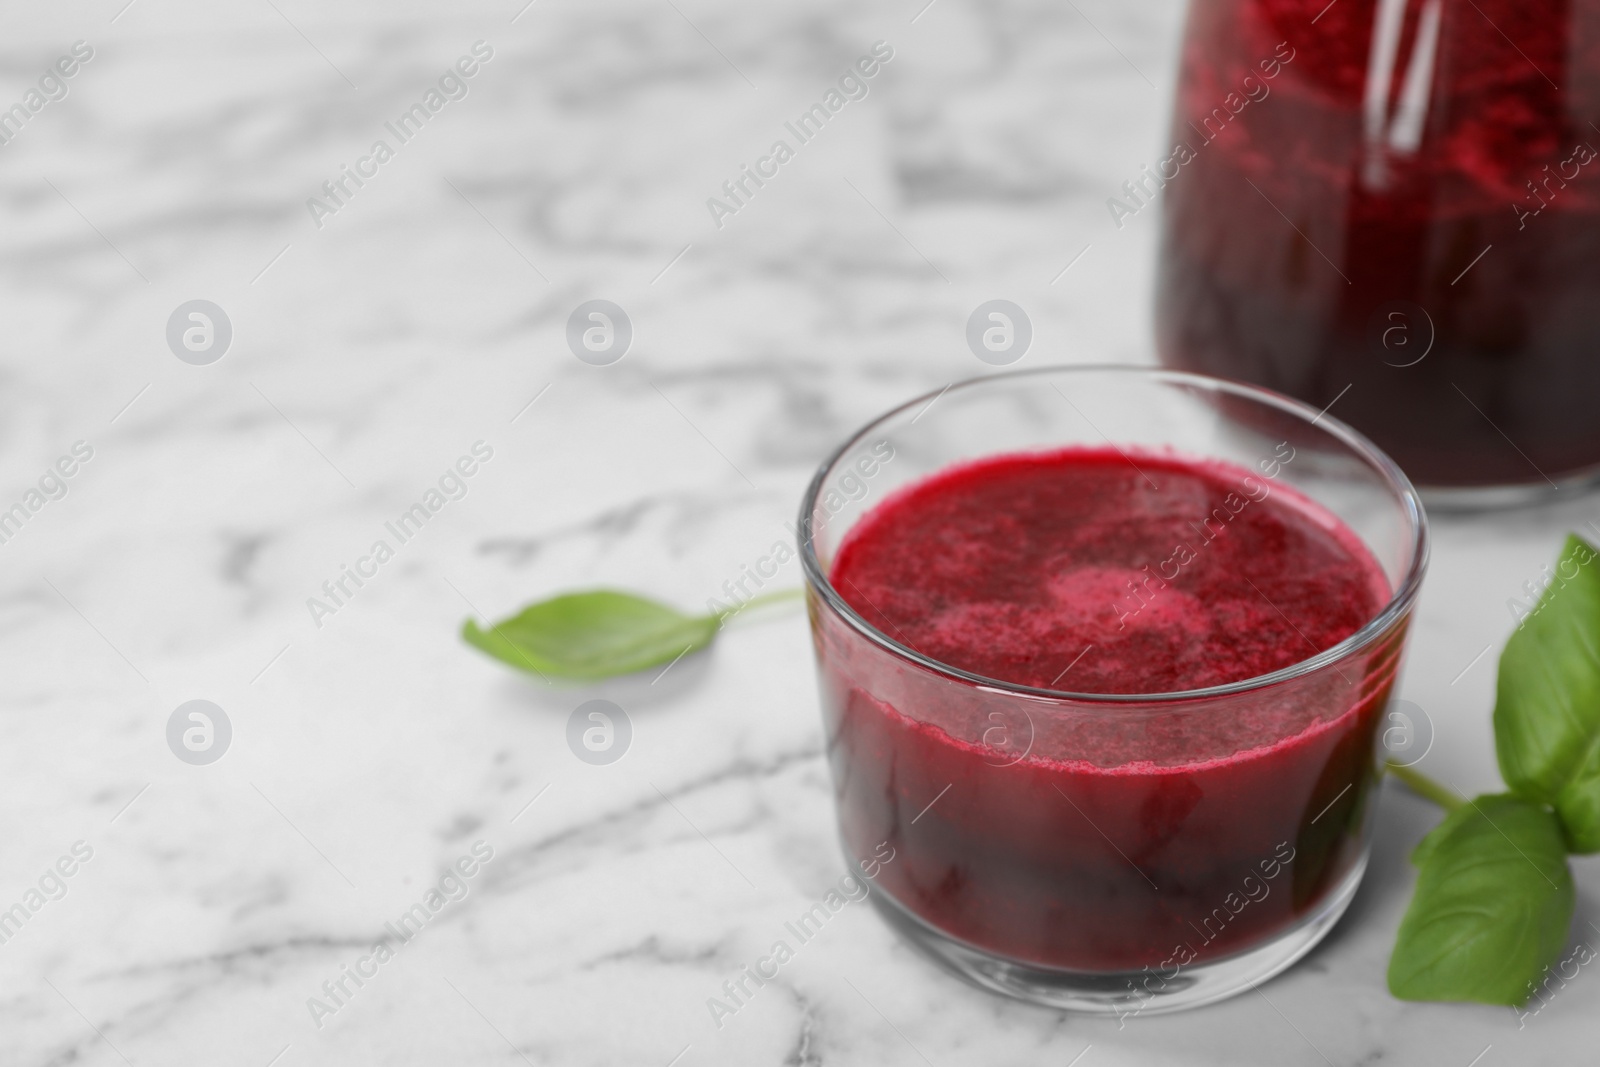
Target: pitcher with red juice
x,y
1393,206
1103,656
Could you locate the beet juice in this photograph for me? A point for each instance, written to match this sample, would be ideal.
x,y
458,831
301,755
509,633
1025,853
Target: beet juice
x,y
1139,831
1394,204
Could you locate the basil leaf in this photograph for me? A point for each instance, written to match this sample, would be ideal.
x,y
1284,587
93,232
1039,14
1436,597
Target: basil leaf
x,y
592,635
1426,847
1493,905
1547,709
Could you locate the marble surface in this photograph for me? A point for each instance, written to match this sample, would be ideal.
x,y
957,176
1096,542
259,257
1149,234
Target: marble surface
x,y
371,750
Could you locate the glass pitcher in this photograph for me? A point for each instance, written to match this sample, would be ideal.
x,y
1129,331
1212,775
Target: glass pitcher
x,y
1392,207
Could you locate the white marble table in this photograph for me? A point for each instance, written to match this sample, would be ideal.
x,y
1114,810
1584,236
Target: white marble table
x,y
370,749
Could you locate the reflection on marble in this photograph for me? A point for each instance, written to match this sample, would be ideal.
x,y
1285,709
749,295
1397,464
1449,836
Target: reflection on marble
x,y
370,752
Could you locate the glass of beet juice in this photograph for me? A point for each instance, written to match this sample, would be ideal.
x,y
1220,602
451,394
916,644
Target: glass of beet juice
x,y
1103,653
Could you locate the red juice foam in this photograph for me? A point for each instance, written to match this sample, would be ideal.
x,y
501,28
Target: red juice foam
x,y
1127,834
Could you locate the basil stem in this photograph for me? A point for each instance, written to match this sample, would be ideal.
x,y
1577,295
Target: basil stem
x,y
1426,787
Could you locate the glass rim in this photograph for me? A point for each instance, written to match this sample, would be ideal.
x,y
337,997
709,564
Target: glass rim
x,y
1400,600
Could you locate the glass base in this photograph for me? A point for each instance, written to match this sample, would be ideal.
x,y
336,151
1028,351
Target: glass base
x,y
1125,993
1465,499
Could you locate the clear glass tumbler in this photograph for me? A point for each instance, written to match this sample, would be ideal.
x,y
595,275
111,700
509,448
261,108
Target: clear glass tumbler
x,y
1100,852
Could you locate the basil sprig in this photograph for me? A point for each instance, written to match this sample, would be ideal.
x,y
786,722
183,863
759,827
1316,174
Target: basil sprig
x,y
1494,898
600,633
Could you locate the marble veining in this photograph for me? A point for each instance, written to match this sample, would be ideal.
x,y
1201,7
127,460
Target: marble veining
x,y
371,751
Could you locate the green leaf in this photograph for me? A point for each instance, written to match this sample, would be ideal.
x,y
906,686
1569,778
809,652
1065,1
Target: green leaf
x,y
1426,847
1493,905
592,635
1547,709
